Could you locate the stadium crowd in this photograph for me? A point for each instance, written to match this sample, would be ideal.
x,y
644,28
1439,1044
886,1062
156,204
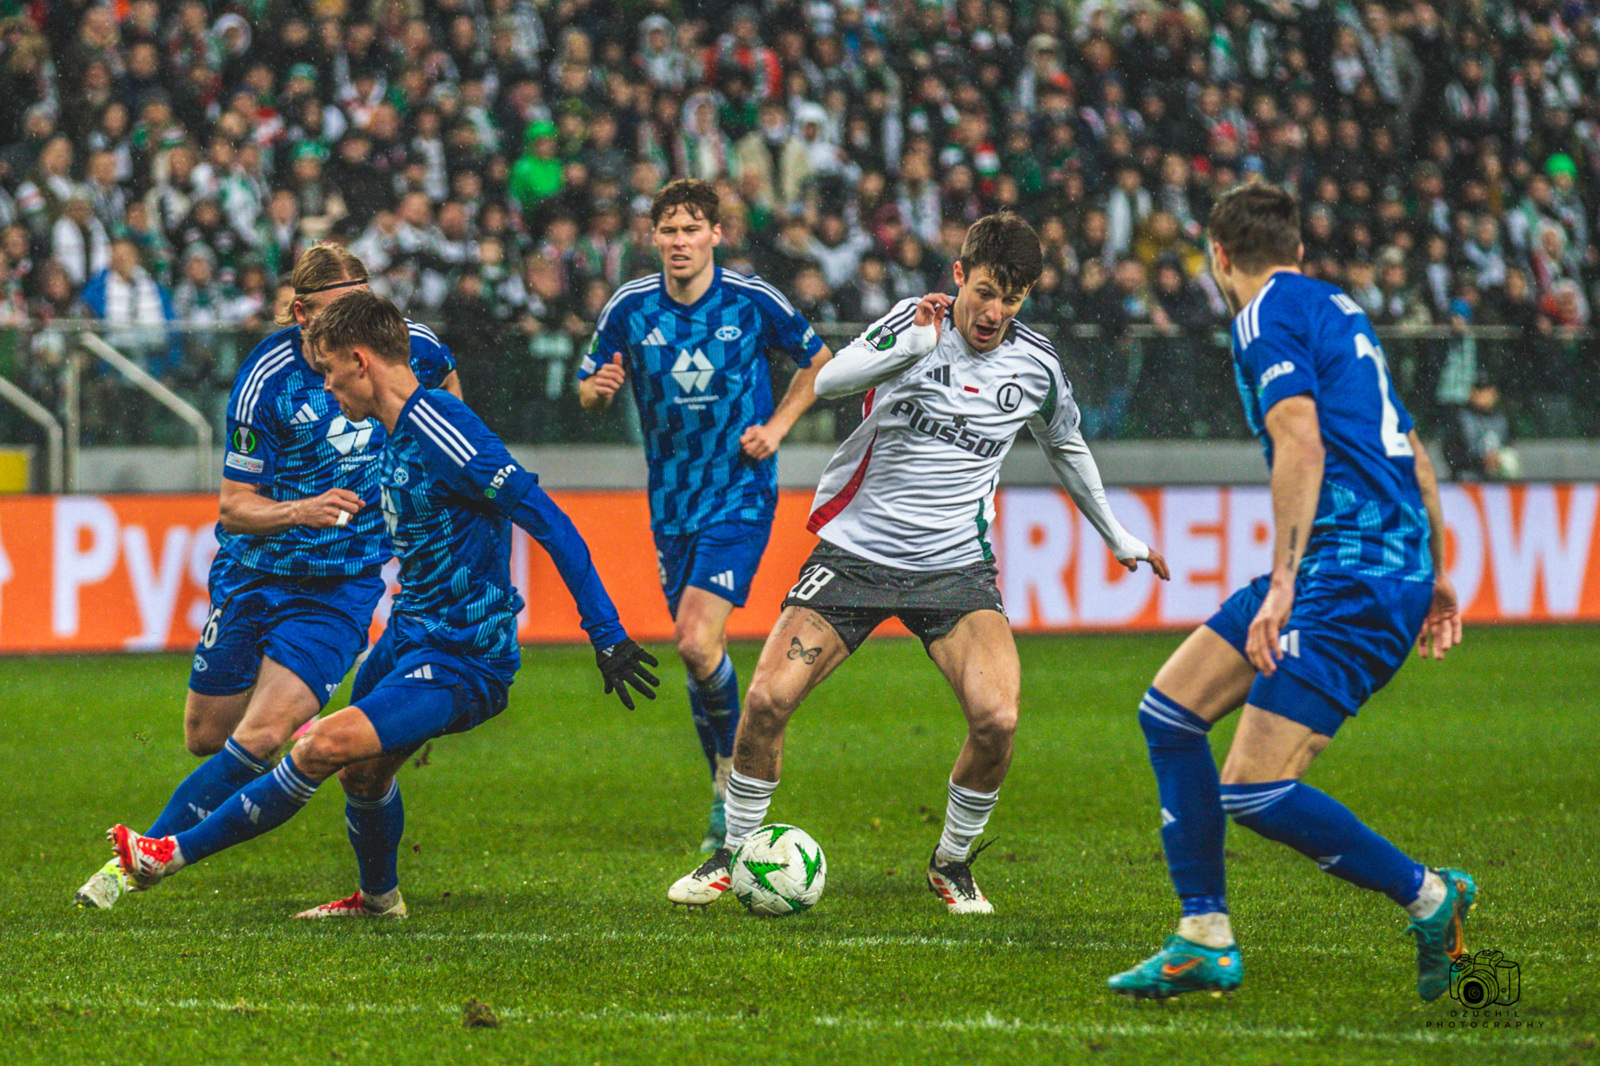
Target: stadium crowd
x,y
492,162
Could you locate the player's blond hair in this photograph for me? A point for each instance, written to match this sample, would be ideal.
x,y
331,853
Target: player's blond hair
x,y
320,266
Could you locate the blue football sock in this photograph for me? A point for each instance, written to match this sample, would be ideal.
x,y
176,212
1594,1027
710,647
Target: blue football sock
x,y
1192,822
376,827
1321,828
714,703
203,791
262,805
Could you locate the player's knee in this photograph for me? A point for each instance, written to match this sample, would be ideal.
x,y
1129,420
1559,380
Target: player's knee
x,y
992,727
202,735
204,732
202,740
699,640
700,651
364,780
767,708
321,753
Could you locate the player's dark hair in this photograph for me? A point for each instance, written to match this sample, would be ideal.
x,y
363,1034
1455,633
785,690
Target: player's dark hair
x,y
320,267
362,319
699,198
1258,226
1008,246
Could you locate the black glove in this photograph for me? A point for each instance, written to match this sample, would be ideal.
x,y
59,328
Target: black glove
x,y
623,664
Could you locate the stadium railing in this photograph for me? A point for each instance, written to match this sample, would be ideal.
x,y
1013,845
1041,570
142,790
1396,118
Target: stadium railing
x,y
1146,383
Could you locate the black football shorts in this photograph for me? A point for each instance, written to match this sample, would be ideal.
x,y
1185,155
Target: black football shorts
x,y
856,595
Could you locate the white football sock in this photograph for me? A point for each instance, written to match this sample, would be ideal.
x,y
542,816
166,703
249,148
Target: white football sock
x,y
1428,898
747,803
964,818
381,901
1209,930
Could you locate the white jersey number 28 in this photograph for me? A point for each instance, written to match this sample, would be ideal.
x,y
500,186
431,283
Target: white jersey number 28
x,y
811,582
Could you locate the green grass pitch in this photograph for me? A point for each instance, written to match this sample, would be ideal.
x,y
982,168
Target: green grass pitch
x,y
539,849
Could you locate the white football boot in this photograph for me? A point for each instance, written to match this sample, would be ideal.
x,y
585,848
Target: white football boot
x,y
104,887
360,906
707,883
953,883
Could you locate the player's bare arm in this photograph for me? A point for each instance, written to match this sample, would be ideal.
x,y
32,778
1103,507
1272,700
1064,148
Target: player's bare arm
x,y
1441,629
1296,486
762,439
245,510
597,391
452,384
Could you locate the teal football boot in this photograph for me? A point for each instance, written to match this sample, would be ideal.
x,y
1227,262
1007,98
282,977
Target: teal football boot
x,y
1181,966
1439,938
716,828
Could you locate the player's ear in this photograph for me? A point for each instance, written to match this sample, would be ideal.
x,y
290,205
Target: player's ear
x,y
959,274
1300,252
716,235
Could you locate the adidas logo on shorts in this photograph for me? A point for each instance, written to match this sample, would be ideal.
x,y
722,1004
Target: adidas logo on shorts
x,y
421,673
723,580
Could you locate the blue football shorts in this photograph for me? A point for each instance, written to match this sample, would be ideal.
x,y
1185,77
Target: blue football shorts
x,y
1345,638
315,627
722,559
412,692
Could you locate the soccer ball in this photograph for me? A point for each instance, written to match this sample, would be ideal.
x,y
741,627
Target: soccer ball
x,y
779,870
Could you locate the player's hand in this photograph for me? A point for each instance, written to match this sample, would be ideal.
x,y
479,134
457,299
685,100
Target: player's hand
x,y
333,508
931,311
1441,629
760,442
609,378
623,664
1261,646
1158,563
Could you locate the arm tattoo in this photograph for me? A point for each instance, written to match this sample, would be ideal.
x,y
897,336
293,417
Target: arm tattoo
x,y
1294,542
799,651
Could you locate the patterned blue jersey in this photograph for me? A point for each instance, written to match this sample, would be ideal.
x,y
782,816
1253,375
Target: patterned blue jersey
x,y
450,492
1300,336
700,379
285,434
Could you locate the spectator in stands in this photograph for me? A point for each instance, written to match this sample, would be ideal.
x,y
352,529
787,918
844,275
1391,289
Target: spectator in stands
x,y
137,308
42,195
867,296
199,297
78,241
1400,304
1111,126
1476,438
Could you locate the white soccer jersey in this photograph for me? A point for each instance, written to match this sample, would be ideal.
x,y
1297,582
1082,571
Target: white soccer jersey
x,y
913,486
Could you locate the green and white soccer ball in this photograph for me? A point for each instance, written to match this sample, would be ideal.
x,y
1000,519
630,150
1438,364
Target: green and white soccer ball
x,y
779,870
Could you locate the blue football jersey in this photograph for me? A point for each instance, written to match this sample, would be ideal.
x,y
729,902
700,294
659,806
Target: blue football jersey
x,y
287,435
450,492
700,378
1303,337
